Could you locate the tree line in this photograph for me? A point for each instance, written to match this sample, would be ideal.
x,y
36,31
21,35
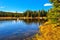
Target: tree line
x,y
28,13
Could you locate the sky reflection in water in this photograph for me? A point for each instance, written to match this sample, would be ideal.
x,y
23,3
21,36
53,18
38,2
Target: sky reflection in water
x,y
17,29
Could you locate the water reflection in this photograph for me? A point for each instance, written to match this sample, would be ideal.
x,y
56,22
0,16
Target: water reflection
x,y
18,30
39,21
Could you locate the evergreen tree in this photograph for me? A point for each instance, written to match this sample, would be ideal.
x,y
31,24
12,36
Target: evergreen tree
x,y
54,12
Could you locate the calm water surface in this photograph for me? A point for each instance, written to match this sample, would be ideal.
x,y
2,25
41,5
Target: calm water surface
x,y
17,30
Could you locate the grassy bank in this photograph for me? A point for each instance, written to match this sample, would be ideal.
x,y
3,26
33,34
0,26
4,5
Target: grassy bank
x,y
48,31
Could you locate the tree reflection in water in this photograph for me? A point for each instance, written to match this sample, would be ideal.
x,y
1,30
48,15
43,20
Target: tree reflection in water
x,y
29,21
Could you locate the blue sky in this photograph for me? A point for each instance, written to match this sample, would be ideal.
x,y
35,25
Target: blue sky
x,y
23,5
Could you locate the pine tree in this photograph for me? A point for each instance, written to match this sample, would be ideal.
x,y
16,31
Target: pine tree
x,y
54,12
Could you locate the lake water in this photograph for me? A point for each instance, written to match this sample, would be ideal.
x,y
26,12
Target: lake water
x,y
17,30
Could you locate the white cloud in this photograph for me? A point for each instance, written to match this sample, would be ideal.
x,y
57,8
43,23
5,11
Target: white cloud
x,y
13,11
47,4
20,12
2,7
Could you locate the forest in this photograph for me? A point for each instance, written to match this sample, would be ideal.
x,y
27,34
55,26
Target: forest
x,y
28,13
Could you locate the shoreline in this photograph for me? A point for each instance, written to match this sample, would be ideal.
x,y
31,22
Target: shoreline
x,y
18,18
46,31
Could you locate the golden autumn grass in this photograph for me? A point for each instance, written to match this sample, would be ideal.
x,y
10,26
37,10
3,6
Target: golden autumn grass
x,y
48,31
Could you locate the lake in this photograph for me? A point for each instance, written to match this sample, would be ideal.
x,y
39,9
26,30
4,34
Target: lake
x,y
18,30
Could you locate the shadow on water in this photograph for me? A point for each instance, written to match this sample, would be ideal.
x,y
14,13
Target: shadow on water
x,y
19,30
